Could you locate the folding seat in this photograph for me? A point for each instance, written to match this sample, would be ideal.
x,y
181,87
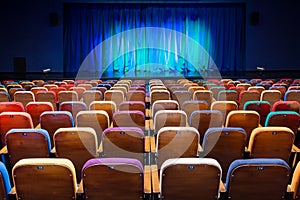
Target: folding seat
x,y
10,120
247,96
225,145
49,86
167,118
246,119
159,95
190,106
227,95
91,95
133,105
292,95
271,96
12,92
67,96
215,91
73,107
79,91
224,107
286,106
261,178
108,106
181,97
5,185
35,109
11,107
262,107
204,95
281,89
96,119
238,89
47,96
117,143
187,178
87,86
116,96
123,87
260,89
129,118
39,83
271,142
204,119
24,97
296,87
100,89
78,144
106,85
135,95
35,90
59,83
53,120
295,186
137,88
26,143
175,142
13,86
265,85
44,178
176,88
195,88
57,90
288,119
3,89
119,88
4,96
116,179
281,84
245,85
163,105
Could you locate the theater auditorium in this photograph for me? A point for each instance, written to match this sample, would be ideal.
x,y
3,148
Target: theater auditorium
x,y
150,99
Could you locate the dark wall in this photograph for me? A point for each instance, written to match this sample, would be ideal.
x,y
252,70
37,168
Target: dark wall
x,y
26,32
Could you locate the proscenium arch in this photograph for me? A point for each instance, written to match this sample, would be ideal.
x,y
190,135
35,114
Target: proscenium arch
x,y
145,34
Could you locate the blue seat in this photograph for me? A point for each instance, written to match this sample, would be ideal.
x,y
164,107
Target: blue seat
x,y
260,179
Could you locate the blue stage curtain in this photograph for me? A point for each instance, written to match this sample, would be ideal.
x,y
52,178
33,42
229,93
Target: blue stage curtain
x,y
218,28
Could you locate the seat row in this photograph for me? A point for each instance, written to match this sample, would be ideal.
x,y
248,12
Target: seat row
x,y
124,178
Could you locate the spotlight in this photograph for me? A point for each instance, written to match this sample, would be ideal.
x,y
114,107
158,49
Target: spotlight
x,y
260,68
46,70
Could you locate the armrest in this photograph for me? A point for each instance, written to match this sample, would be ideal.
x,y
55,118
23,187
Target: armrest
x,y
151,124
295,149
12,193
80,188
247,153
53,150
4,150
152,144
147,179
155,179
80,192
148,113
200,149
38,126
100,149
147,125
147,145
289,193
222,187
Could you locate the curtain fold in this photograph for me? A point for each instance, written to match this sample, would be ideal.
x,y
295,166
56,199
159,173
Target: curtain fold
x,y
218,28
